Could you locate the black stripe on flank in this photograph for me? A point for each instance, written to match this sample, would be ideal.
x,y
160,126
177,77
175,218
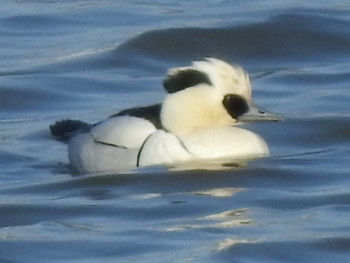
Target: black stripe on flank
x,y
184,146
144,143
184,79
140,151
108,144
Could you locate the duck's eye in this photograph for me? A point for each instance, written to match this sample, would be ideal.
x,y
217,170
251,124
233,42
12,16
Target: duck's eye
x,y
235,105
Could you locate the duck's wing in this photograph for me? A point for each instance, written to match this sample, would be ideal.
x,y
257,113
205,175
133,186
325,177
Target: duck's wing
x,y
122,131
143,118
150,113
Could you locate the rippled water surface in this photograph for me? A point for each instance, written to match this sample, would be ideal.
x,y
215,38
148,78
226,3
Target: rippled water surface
x,y
89,59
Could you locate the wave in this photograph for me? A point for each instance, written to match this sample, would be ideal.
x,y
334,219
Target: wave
x,y
292,37
282,39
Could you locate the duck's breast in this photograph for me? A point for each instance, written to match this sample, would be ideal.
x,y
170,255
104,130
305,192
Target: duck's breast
x,y
223,142
163,148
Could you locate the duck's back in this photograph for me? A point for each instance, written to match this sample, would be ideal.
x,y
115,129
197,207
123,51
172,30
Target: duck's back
x,y
124,131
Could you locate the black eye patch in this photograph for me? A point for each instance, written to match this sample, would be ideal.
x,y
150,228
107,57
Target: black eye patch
x,y
235,105
185,79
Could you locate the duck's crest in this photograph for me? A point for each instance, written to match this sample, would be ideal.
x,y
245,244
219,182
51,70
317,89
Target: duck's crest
x,y
185,77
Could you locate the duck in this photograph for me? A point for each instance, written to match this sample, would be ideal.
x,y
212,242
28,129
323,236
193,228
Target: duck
x,y
199,120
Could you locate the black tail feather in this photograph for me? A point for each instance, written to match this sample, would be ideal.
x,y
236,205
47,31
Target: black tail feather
x,y
65,129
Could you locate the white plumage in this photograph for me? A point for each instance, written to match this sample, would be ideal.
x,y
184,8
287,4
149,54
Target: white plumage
x,y
197,121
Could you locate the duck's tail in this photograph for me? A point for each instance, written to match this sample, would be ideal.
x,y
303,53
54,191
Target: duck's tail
x,y
65,129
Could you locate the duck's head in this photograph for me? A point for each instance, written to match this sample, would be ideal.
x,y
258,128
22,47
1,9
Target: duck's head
x,y
208,93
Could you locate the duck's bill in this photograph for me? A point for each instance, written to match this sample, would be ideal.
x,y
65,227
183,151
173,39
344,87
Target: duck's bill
x,y
256,113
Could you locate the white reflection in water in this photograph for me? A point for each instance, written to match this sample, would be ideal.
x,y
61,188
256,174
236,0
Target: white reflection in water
x,y
230,242
219,192
225,219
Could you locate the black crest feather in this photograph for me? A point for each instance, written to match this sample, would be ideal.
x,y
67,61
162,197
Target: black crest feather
x,y
184,79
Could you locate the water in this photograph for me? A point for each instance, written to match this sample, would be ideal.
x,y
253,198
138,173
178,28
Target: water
x,y
89,59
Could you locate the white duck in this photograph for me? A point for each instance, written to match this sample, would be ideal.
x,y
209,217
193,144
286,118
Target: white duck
x,y
197,121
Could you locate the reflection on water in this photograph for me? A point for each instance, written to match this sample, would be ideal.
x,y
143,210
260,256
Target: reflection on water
x,y
226,219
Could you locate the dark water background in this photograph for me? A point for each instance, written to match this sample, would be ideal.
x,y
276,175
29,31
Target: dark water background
x,y
89,59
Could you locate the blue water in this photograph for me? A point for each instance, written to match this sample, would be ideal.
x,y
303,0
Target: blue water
x,y
89,59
